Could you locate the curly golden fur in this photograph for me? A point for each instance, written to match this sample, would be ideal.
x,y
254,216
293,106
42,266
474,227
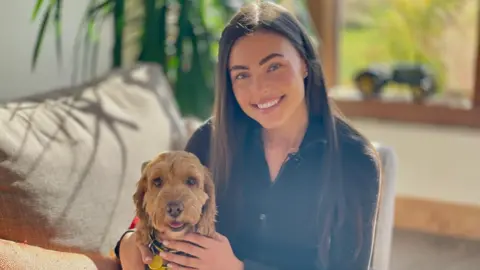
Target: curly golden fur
x,y
175,195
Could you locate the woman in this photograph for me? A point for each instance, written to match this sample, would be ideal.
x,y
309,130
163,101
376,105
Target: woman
x,y
297,186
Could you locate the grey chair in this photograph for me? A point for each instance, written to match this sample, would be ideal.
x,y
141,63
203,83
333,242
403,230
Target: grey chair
x,y
385,219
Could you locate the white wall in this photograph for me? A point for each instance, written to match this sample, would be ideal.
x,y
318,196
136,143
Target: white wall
x,y
439,163
18,35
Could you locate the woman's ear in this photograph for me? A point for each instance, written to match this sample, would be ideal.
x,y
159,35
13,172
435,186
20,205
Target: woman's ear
x,y
206,225
305,69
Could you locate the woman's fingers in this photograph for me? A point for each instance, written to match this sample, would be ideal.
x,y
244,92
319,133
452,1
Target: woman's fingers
x,y
200,240
220,237
185,247
176,259
174,266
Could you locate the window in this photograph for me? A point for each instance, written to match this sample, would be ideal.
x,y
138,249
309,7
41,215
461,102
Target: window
x,y
402,59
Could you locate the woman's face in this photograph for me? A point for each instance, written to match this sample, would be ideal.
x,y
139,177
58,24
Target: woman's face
x,y
267,76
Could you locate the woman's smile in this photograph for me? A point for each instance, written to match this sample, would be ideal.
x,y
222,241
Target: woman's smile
x,y
268,105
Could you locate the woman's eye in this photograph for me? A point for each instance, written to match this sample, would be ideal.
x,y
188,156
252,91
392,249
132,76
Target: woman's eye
x,y
157,182
273,67
241,76
191,181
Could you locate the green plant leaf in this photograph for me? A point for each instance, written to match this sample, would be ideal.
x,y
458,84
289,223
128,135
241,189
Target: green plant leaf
x,y
162,34
153,39
40,36
105,6
38,5
58,30
119,23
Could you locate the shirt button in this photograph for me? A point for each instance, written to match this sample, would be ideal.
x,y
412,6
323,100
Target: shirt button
x,y
263,216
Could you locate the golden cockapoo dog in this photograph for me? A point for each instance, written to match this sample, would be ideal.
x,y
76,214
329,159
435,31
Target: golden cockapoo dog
x,y
174,196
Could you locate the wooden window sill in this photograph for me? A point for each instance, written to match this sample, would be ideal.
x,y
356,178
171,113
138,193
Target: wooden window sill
x,y
410,113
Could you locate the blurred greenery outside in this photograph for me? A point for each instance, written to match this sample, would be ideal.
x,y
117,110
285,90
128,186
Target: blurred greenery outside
x,y
438,33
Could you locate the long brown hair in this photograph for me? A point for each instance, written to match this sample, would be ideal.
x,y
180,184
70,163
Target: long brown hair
x,y
230,123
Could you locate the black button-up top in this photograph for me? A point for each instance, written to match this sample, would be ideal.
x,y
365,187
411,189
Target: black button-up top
x,y
275,224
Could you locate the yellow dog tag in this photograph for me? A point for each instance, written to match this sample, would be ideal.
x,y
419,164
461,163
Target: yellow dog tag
x,y
157,263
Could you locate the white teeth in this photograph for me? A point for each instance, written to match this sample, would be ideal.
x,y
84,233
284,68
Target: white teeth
x,y
268,104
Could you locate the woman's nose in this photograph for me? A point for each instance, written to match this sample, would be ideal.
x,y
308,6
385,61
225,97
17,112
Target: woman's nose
x,y
260,86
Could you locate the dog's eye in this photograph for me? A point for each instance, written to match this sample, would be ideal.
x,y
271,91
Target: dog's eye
x,y
157,182
191,181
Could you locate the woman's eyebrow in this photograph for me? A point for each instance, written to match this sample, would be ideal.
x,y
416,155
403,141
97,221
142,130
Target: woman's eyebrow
x,y
261,62
238,67
268,57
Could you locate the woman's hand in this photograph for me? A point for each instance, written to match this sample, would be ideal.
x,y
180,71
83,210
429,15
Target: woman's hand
x,y
133,256
213,253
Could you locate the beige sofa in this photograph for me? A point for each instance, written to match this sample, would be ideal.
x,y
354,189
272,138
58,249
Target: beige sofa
x,y
70,159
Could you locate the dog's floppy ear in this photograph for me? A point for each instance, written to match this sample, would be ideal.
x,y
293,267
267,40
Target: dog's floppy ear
x,y
144,165
139,195
206,225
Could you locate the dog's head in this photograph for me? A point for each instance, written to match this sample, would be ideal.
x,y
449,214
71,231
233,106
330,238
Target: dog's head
x,y
176,195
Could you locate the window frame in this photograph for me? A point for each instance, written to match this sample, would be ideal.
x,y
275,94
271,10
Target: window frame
x,y
325,16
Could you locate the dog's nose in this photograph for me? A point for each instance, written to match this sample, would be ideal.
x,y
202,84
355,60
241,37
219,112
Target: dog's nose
x,y
174,208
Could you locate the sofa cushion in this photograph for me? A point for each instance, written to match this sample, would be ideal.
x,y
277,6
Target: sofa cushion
x,y
70,159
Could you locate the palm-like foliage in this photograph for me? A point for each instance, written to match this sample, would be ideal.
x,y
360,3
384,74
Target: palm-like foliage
x,y
177,34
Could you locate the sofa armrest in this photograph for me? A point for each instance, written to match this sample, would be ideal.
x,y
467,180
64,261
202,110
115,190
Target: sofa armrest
x,y
386,214
16,256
